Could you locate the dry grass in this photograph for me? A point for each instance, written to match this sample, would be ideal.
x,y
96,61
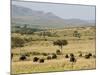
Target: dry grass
x,y
75,45
52,65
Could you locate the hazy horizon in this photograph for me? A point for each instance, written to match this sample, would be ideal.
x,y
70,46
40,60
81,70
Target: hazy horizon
x,y
72,11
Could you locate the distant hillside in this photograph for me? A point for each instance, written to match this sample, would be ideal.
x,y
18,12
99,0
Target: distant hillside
x,y
23,15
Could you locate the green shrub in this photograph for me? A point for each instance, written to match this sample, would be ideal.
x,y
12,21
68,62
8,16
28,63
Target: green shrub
x,y
35,59
58,52
66,56
41,61
44,54
17,42
54,56
49,57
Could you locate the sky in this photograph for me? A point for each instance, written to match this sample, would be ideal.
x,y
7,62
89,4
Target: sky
x,y
65,11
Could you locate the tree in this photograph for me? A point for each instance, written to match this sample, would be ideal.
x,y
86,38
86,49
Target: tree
x,y
44,35
76,34
17,42
73,61
60,43
25,26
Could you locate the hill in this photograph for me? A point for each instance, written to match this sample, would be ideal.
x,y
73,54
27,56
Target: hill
x,y
41,19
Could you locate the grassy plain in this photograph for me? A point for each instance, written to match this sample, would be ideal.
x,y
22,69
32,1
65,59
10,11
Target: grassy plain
x,y
85,44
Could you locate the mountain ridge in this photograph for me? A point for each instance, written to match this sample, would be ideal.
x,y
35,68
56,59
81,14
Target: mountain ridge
x,y
23,15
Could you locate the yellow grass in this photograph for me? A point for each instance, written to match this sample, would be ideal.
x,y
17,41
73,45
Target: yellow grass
x,y
52,65
75,45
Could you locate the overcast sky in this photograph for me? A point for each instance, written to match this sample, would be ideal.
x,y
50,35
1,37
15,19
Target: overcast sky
x,y
65,11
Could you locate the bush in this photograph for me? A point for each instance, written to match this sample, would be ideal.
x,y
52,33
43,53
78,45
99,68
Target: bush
x,y
76,34
27,54
35,59
28,39
80,55
45,39
49,57
17,42
11,55
23,57
90,38
87,56
71,55
94,56
41,60
90,54
72,59
44,54
58,52
66,56
35,53
54,56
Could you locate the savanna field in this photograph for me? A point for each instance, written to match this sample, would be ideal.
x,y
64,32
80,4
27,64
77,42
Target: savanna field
x,y
36,51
